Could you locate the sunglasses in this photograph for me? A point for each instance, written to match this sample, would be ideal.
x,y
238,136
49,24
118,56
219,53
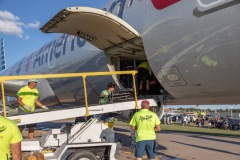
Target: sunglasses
x,y
34,82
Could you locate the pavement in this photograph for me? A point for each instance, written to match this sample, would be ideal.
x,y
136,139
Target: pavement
x,y
184,146
172,145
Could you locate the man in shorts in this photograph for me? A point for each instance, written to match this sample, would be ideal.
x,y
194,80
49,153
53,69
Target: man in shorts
x,y
27,97
146,123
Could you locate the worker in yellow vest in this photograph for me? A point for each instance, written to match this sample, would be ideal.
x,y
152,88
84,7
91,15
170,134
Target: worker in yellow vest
x,y
27,97
104,97
10,140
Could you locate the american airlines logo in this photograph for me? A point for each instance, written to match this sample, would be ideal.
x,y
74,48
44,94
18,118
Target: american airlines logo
x,y
161,4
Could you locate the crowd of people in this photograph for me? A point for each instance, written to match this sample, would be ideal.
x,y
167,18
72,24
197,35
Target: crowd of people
x,y
183,120
202,121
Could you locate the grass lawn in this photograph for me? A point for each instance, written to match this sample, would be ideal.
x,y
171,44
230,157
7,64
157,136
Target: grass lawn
x,y
200,130
176,127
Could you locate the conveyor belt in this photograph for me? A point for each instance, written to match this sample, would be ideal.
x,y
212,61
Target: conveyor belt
x,y
77,111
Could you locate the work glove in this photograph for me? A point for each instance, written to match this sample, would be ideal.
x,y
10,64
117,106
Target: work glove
x,y
45,108
28,108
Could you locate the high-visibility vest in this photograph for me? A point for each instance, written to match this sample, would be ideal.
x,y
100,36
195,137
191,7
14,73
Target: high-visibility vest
x,y
104,99
145,65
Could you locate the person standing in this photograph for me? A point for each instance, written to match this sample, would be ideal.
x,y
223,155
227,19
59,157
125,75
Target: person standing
x,y
146,123
143,74
184,120
27,97
10,140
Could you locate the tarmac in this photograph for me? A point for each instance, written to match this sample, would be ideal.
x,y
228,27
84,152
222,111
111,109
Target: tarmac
x,y
184,146
172,145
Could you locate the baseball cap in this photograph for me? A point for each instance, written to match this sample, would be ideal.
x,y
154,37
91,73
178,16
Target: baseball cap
x,y
146,101
33,80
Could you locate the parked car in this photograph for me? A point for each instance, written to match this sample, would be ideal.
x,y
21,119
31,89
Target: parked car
x,y
232,124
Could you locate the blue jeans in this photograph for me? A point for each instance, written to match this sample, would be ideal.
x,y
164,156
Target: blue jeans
x,y
145,145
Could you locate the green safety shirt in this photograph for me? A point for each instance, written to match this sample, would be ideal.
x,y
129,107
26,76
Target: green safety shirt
x,y
9,134
145,121
104,97
29,97
145,65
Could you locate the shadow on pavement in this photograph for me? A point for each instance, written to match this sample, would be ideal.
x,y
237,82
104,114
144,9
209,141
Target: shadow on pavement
x,y
216,139
202,133
207,148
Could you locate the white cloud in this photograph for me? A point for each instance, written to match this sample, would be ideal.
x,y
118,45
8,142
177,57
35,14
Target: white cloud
x,y
11,24
34,24
9,27
7,16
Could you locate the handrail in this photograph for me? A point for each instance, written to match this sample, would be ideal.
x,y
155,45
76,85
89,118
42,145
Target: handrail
x,y
204,7
84,75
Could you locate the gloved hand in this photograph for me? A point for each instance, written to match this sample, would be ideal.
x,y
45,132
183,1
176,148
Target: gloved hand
x,y
28,108
45,108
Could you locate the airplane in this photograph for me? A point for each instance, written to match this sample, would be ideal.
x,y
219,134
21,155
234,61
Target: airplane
x,y
191,46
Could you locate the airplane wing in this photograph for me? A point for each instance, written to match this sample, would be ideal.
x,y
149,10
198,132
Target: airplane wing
x,y
100,28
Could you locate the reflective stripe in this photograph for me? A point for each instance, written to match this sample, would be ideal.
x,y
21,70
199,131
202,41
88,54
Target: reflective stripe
x,y
29,97
28,93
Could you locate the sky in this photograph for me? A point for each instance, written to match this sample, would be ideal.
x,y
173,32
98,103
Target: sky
x,y
20,21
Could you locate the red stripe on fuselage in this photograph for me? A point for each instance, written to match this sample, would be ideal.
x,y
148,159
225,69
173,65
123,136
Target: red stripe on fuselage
x,y
161,4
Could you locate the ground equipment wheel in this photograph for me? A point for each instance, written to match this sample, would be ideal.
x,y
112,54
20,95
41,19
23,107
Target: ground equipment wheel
x,y
82,155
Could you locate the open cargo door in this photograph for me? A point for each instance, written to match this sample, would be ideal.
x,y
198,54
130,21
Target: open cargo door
x,y
100,28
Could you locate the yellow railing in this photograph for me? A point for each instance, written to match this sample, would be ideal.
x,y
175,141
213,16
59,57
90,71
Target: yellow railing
x,y
68,75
